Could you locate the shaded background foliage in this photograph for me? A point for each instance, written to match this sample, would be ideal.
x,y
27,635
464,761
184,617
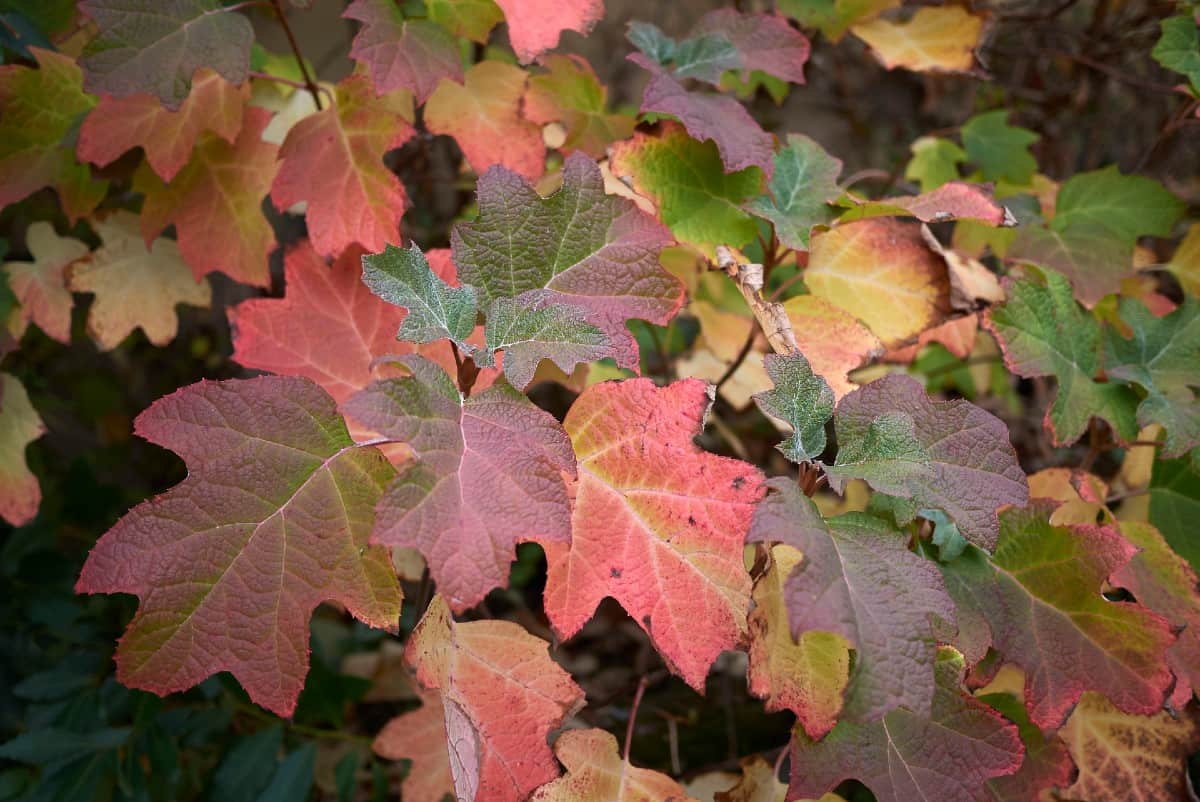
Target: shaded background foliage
x,y
1077,72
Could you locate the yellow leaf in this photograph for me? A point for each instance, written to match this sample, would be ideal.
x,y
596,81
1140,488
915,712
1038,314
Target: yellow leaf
x,y
936,39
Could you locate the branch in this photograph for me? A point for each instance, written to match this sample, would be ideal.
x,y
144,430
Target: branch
x,y
309,83
770,316
633,709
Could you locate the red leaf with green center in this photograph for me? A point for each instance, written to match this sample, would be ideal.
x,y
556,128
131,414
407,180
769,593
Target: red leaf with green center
x,y
658,525
588,249
489,472
502,695
1038,602
272,520
215,203
402,54
333,160
117,125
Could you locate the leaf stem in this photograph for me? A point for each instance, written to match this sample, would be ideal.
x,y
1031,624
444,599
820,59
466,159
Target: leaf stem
x,y
279,79
309,83
301,729
633,710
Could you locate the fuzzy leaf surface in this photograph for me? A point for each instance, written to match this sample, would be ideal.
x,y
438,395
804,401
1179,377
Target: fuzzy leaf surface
x,y
272,519
859,580
1038,602
502,695
951,455
402,277
948,753
801,399
658,524
534,326
587,249
402,54
800,191
156,47
488,473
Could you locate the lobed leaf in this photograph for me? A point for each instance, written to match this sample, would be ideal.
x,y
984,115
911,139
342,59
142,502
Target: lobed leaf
x,y
20,425
402,54
1000,150
272,519
570,93
596,771
41,285
1129,206
802,186
402,277
658,524
801,399
1090,256
934,39
534,26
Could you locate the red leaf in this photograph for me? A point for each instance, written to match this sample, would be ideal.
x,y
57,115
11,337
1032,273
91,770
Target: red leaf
x,y
272,519
412,54
659,524
334,160
535,25
420,736
502,694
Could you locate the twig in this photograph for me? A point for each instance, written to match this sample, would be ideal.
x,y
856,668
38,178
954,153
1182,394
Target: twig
x,y
633,709
783,753
1127,494
1095,444
740,358
279,79
309,83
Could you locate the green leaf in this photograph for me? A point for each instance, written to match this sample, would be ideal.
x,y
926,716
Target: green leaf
x,y
1130,206
800,398
804,183
934,162
155,47
1178,48
1175,504
247,767
706,57
1001,150
946,536
532,327
649,38
473,19
1091,256
54,748
949,455
1044,332
1163,357
1056,624
687,180
293,779
436,310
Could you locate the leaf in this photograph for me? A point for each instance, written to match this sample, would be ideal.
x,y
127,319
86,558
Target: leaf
x,y
1047,764
41,108
489,472
272,519
762,42
1163,358
951,455
687,181
1138,758
246,766
881,272
136,286
20,425
1175,503
1185,262
1178,48
1001,150
739,139
658,524
832,340
1090,256
534,26
956,200
807,676
333,161
402,277
1043,332
402,54
502,695
217,198
596,771
800,399
1129,206
167,137
484,117
533,327
293,779
420,737
146,46
1164,582
801,188
859,580
933,40
327,327
472,19
587,249
834,17
934,162
948,754
570,93
40,285
1056,625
